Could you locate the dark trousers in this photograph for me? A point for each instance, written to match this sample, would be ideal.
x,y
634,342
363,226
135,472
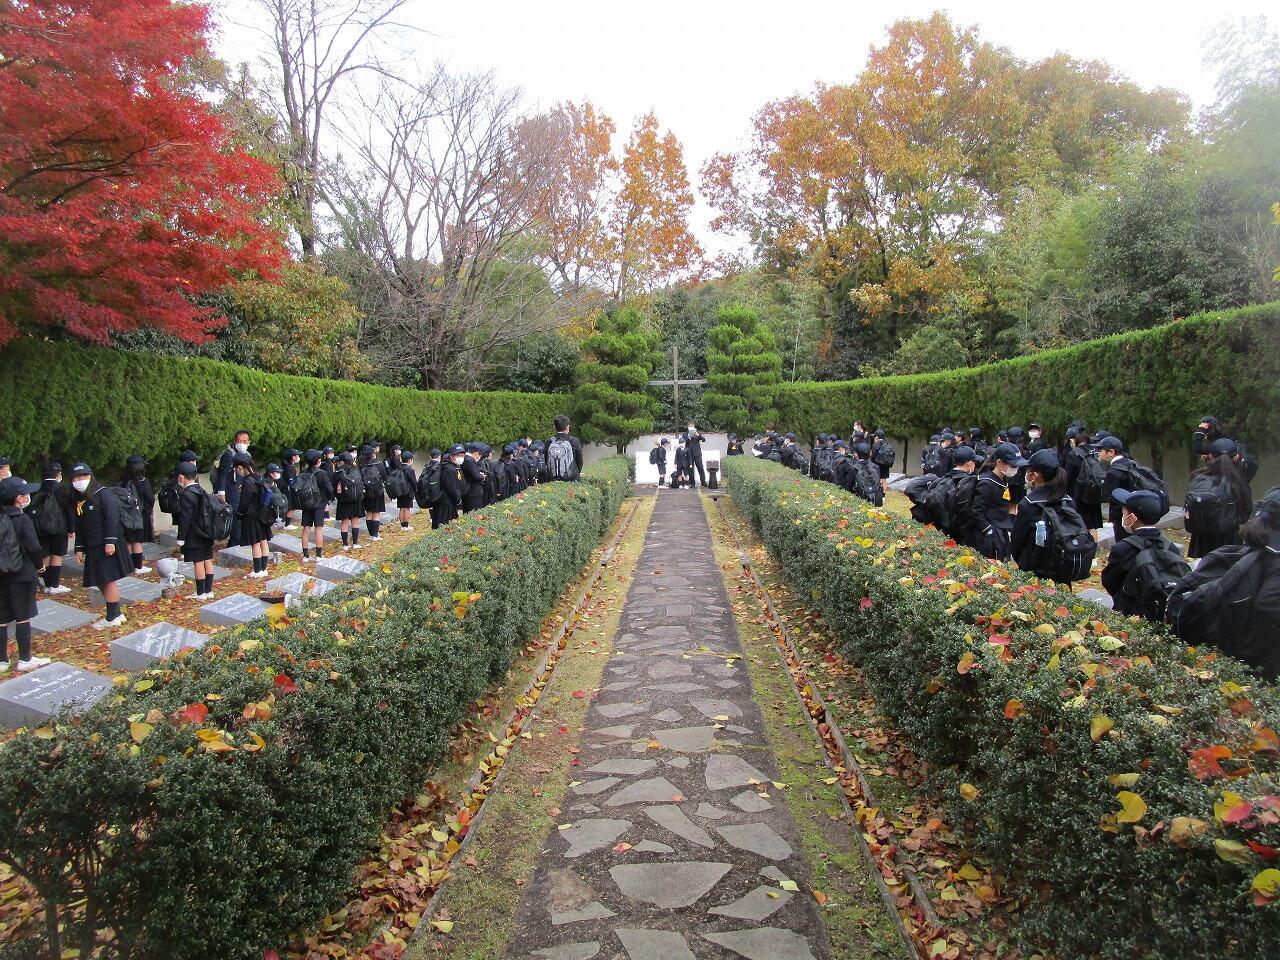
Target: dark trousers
x,y
696,461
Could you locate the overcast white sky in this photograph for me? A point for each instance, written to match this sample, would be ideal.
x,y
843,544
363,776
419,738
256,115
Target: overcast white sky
x,y
705,67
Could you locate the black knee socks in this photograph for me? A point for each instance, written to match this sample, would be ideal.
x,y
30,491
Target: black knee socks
x,y
346,538
355,535
404,524
113,610
22,633
205,584
137,560
373,526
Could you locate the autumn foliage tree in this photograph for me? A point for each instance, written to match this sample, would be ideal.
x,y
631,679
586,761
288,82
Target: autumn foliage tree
x,y
122,195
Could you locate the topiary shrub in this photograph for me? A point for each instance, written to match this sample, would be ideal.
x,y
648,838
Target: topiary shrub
x,y
1127,782
218,802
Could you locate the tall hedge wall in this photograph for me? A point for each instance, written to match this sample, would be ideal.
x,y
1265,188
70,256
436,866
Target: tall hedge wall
x,y
66,400
1127,781
216,803
1150,385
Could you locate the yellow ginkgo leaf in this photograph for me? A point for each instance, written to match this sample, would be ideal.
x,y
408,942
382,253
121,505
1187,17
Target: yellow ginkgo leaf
x,y
143,685
138,731
1099,725
444,926
1132,807
1123,779
969,792
1267,883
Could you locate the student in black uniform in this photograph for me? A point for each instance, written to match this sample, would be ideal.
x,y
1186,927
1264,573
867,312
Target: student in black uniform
x,y
1232,600
253,507
1044,515
658,457
348,490
50,513
225,479
693,441
511,471
735,446
291,463
1133,591
18,586
563,464
312,517
1080,463
1219,500
405,503
453,487
375,494
1035,439
394,460
135,480
329,464
474,496
993,504
683,474
197,548
99,541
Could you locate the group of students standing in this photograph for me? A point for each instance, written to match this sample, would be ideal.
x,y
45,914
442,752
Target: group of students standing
x,y
1041,506
243,507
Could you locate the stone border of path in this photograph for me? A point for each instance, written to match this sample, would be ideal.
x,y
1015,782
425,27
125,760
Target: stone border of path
x,y
544,674
849,761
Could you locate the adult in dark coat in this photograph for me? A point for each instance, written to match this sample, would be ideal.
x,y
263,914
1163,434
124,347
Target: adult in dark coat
x,y
18,587
226,482
99,540
693,441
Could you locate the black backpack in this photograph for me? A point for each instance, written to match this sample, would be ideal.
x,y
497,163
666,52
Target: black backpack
x,y
1144,478
169,495
1156,571
306,490
653,455
215,518
961,507
931,459
47,512
799,462
11,556
1068,555
429,489
866,482
1218,610
883,454
939,502
398,484
352,485
130,509
1210,507
1091,480
917,488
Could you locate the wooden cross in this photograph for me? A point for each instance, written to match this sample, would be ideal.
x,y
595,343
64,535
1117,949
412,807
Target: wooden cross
x,y
675,382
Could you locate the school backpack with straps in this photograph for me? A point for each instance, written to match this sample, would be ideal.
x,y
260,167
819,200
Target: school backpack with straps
x,y
352,486
1210,507
799,462
883,454
653,456
429,489
10,550
306,490
371,477
1091,480
169,495
866,482
47,513
1144,478
1068,554
397,484
931,459
1155,572
1218,609
560,463
214,519
130,509
276,502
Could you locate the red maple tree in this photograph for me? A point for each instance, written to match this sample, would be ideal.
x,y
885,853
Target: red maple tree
x,y
122,195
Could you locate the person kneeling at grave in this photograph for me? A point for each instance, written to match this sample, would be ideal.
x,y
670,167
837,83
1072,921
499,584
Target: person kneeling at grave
x,y
21,559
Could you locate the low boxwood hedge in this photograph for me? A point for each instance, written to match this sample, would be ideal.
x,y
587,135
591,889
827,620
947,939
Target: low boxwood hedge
x,y
67,400
213,805
1150,385
1127,781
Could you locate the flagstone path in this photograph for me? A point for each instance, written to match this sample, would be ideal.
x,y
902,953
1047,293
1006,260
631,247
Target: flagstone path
x,y
673,843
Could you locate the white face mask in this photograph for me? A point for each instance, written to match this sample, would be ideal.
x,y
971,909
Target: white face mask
x,y
81,483
242,448
1035,434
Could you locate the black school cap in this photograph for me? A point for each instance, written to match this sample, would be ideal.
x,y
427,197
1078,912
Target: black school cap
x,y
80,469
1144,503
1111,443
963,454
188,456
456,449
187,469
347,456
862,449
1224,446
435,451
406,454
880,434
327,450
1045,462
11,488
5,462
312,455
274,468
293,452
841,445
1007,453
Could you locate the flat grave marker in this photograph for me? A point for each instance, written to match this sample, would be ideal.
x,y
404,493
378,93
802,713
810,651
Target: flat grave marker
x,y
34,698
132,590
299,585
142,648
232,610
336,569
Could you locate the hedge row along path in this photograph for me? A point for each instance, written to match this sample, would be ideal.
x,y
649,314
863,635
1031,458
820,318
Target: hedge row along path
x,y
675,841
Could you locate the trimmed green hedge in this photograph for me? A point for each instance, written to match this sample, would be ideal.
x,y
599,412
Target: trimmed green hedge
x,y
218,838
67,400
1146,385
1057,712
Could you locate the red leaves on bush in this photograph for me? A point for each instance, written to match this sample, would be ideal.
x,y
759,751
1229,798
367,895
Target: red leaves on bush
x,y
1204,762
194,713
865,604
284,684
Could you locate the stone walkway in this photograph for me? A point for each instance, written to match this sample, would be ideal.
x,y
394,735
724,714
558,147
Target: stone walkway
x,y
673,842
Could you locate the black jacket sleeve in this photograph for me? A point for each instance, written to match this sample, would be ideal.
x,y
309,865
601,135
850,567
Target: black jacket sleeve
x,y
225,475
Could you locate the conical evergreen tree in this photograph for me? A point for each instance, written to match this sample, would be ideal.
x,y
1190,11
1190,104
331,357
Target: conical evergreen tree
x,y
612,402
744,369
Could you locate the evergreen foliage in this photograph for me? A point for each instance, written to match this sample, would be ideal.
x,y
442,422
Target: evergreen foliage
x,y
612,402
743,371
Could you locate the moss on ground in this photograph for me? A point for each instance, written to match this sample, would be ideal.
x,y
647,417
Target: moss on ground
x,y
482,893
